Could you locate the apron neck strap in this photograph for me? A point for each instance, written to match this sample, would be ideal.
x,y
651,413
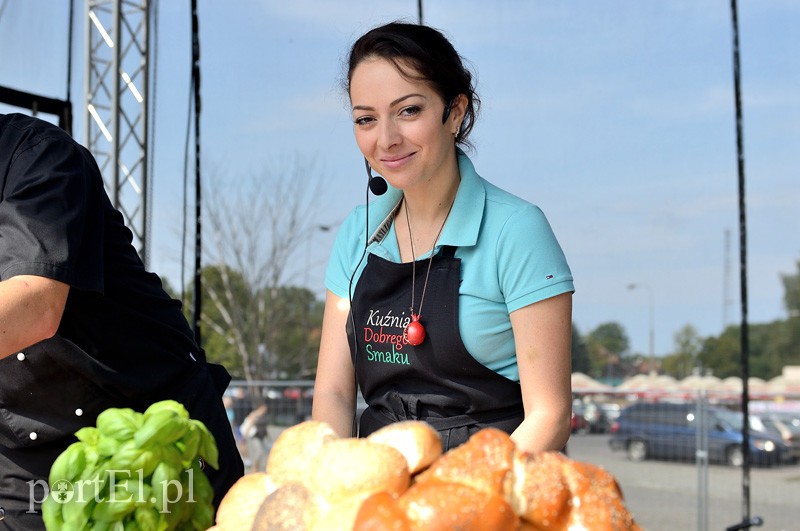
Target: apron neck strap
x,y
448,251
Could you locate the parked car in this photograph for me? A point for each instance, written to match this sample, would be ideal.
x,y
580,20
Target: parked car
x,y
782,425
611,411
670,431
578,423
594,415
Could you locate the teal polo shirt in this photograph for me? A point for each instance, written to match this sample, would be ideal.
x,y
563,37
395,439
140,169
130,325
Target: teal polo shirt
x,y
510,258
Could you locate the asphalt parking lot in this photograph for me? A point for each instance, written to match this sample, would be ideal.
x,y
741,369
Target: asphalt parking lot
x,y
664,495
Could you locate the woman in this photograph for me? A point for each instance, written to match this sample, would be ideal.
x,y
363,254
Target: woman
x,y
477,336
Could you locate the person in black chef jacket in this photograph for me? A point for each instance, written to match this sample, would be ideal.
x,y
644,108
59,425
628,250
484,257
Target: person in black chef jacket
x,y
83,325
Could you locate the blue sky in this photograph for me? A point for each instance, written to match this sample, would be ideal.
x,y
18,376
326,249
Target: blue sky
x,y
616,118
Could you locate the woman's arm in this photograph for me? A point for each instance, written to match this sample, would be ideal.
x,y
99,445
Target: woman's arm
x,y
542,336
335,386
30,311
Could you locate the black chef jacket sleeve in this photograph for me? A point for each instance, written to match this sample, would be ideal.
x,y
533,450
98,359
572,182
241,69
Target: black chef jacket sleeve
x,y
51,220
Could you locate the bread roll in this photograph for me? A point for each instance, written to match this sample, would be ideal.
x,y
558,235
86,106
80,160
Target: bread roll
x,y
319,482
381,512
482,462
596,499
372,512
537,489
346,467
437,505
292,507
290,454
416,440
239,506
338,516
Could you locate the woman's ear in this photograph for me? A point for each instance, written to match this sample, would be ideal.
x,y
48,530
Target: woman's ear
x,y
457,107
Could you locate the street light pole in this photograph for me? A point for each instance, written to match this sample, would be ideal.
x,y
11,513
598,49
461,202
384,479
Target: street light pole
x,y
635,285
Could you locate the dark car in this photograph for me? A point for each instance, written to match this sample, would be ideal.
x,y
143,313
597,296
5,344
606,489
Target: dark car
x,y
594,414
670,431
611,412
785,426
578,423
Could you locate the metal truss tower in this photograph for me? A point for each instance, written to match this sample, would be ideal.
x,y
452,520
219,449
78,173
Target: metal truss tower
x,y
116,105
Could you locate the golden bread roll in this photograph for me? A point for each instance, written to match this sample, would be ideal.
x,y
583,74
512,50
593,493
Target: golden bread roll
x,y
337,516
346,467
482,462
291,507
596,499
537,489
290,454
438,505
381,512
239,506
378,512
416,440
331,484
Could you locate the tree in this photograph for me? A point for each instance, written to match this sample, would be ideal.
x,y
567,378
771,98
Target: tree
x,y
580,354
791,292
790,350
722,354
295,347
688,345
220,339
254,226
607,344
771,346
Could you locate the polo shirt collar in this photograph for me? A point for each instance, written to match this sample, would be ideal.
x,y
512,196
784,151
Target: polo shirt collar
x,y
463,224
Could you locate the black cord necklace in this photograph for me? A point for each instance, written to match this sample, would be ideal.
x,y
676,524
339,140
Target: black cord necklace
x,y
414,333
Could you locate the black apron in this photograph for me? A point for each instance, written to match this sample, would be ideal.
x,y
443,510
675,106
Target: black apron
x,y
52,389
437,381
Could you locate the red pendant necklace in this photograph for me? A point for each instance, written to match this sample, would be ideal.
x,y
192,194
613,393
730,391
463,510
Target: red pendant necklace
x,y
414,333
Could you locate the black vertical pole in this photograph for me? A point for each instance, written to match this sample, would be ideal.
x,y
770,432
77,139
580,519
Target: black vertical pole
x,y
65,118
419,11
744,340
198,292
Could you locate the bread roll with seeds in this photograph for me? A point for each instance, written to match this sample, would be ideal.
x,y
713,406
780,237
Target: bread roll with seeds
x,y
293,449
419,443
444,506
239,506
482,462
346,467
537,489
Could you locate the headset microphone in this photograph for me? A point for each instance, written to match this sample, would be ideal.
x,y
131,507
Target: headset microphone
x,y
377,184
446,112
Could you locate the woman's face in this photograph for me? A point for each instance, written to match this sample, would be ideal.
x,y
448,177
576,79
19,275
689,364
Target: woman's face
x,y
398,125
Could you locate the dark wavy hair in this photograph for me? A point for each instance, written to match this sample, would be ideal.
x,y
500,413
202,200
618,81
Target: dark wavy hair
x,y
421,53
